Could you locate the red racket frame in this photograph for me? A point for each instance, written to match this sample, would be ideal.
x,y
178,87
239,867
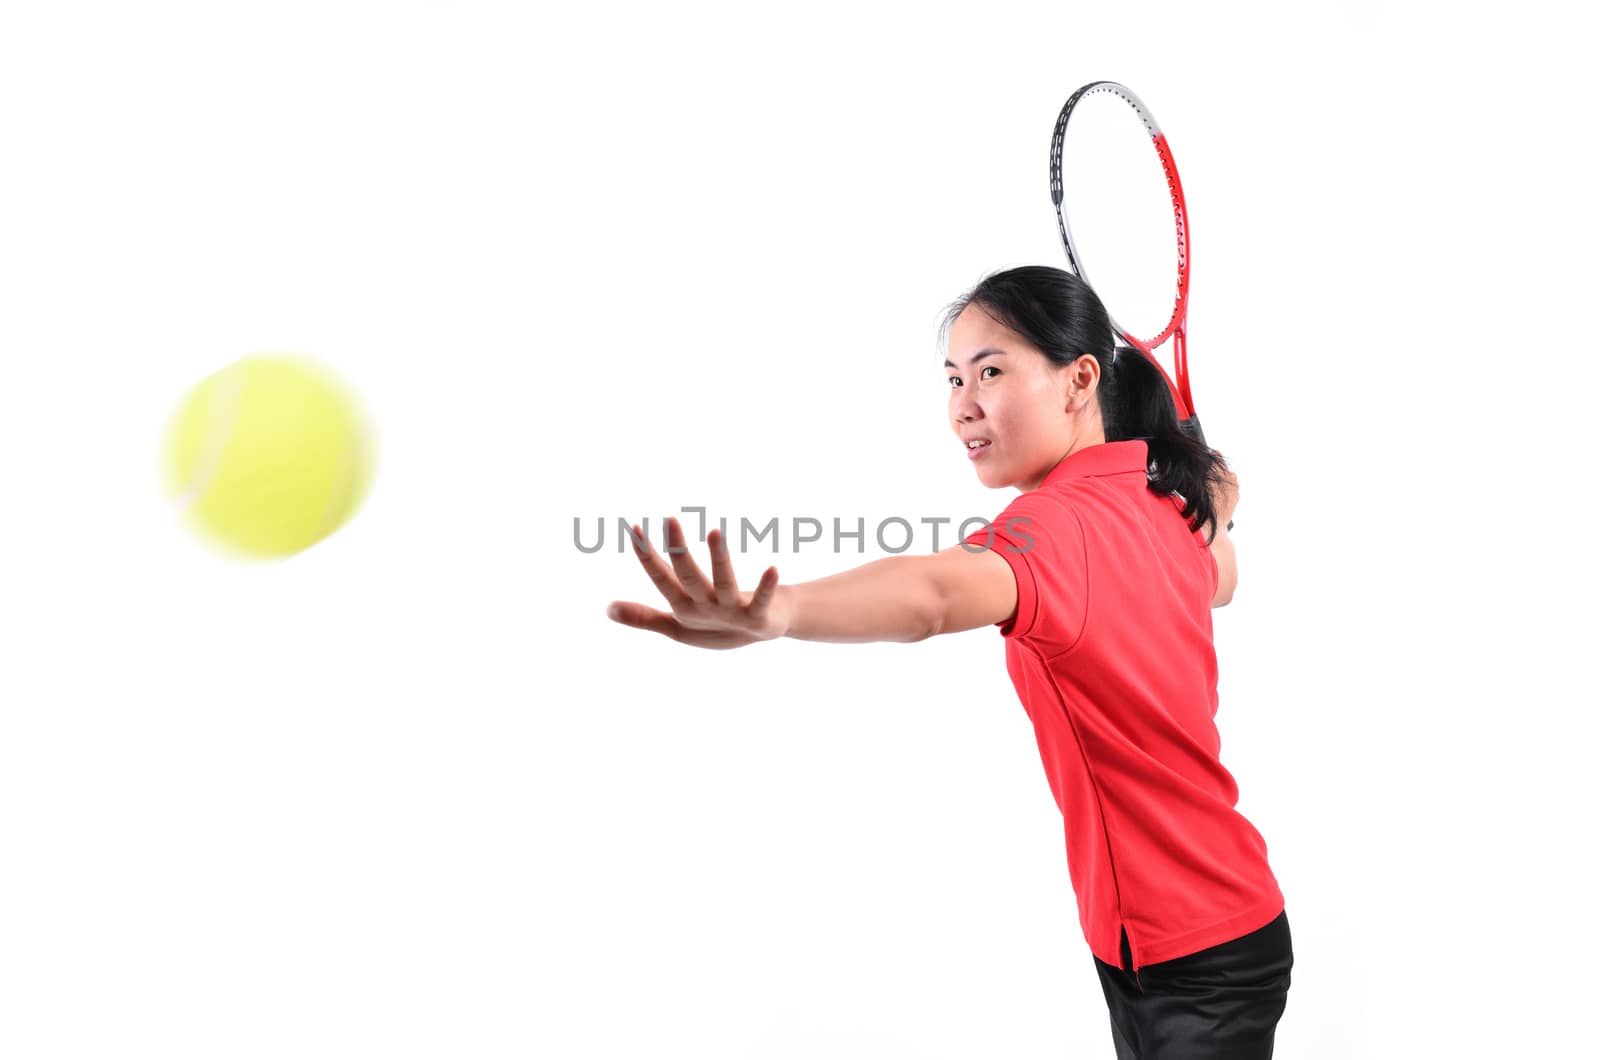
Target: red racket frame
x,y
1177,327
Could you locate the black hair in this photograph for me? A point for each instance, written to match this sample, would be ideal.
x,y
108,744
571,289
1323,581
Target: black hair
x,y
1061,315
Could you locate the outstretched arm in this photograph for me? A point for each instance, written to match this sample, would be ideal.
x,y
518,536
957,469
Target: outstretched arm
x,y
899,598
903,598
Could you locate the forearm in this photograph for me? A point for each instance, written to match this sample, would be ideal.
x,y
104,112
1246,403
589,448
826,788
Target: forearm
x,y
891,599
1227,568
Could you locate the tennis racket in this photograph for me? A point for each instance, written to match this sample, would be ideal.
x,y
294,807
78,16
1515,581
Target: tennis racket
x,y
1124,210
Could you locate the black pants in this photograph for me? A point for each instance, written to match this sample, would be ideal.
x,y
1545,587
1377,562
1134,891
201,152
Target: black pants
x,y
1223,1001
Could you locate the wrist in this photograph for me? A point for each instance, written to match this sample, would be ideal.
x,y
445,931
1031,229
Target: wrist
x,y
783,610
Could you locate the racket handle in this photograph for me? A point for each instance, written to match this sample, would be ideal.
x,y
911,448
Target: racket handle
x,y
1192,425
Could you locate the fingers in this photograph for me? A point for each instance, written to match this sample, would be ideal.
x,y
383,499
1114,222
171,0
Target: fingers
x,y
658,572
765,589
726,586
689,577
722,579
641,617
684,586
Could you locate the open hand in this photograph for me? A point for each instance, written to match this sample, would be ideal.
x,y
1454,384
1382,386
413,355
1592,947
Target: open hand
x,y
704,614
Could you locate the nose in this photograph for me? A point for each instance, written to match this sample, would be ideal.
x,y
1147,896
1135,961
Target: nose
x,y
964,408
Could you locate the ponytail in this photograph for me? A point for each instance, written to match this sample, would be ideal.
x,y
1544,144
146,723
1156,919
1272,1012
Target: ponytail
x,y
1136,402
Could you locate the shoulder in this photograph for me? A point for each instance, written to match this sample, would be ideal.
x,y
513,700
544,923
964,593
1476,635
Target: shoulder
x,y
1040,522
1040,537
1047,504
1040,516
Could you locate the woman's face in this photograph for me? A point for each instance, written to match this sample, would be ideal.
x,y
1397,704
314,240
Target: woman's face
x,y
1007,393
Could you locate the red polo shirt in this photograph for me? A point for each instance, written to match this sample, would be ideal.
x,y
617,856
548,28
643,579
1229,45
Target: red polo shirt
x,y
1111,653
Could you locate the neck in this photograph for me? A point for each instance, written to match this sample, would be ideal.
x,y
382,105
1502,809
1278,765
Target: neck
x,y
1081,439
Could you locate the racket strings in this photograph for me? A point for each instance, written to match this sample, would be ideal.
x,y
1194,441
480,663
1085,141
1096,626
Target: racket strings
x,y
1118,218
1112,211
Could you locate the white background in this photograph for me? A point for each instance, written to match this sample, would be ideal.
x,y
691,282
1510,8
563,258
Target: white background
x,y
411,794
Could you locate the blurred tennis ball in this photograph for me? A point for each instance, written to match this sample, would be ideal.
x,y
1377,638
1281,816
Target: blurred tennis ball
x,y
269,456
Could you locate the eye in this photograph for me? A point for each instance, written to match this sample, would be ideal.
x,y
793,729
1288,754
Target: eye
x,y
955,380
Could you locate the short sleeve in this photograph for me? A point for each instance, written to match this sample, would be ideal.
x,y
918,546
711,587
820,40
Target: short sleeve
x,y
1040,537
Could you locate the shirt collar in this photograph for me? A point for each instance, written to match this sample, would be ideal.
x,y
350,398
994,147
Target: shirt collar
x,y
1108,458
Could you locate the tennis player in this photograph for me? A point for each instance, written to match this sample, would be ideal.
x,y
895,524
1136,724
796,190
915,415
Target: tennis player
x,y
1100,576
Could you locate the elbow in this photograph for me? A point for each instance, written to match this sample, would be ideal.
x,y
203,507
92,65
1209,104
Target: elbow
x,y
935,619
928,615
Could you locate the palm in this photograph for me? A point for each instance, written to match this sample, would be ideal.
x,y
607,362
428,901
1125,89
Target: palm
x,y
705,614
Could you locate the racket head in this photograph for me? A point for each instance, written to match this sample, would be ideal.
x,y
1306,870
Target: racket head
x,y
1130,216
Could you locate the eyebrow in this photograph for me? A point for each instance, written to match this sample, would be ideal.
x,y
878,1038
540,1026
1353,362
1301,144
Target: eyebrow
x,y
988,351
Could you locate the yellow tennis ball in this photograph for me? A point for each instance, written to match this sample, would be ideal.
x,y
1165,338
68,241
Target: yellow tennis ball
x,y
269,456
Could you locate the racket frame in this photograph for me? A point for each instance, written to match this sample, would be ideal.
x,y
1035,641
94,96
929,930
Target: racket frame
x,y
1177,327
1177,323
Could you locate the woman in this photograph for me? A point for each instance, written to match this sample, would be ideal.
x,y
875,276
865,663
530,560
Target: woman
x,y
1100,575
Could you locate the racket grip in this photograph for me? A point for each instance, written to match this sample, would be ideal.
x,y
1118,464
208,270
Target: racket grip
x,y
1192,425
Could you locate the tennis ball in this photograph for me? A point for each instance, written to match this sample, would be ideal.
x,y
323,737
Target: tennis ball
x,y
269,456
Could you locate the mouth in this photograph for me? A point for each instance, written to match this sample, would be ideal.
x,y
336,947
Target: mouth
x,y
977,447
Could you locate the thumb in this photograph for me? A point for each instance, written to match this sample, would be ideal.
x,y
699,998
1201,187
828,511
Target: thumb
x,y
641,617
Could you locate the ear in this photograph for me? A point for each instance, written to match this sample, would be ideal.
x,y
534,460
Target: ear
x,y
1081,378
